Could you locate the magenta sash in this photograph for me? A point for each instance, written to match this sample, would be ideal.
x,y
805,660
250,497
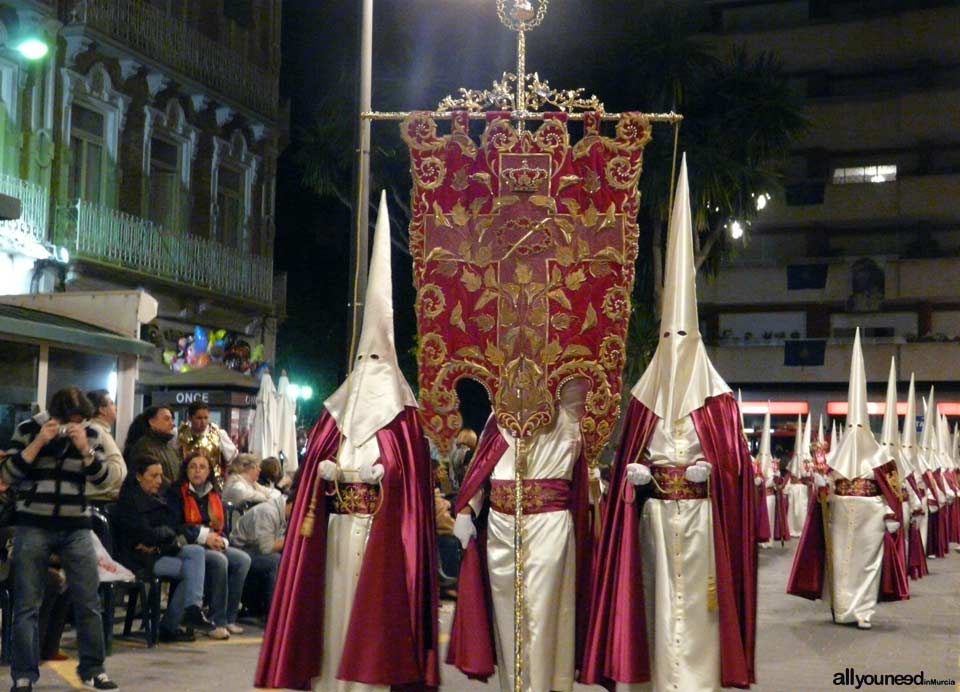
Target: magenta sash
x,y
539,495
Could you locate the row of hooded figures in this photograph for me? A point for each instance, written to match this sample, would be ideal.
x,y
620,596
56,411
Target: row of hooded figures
x,y
659,594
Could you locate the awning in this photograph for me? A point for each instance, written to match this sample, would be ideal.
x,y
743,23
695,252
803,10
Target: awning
x,y
41,326
214,376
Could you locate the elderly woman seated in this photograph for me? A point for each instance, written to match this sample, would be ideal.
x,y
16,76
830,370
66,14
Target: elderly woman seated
x,y
242,487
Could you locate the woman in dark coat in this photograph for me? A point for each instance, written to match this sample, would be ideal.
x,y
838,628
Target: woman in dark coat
x,y
149,539
202,520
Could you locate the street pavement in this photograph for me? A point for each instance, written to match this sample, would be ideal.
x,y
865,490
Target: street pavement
x,y
798,649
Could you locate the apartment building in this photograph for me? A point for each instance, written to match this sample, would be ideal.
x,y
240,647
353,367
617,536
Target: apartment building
x,y
142,138
867,233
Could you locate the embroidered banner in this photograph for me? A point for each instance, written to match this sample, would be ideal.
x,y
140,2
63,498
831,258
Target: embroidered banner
x,y
523,250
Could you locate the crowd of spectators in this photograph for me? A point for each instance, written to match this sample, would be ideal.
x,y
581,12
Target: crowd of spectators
x,y
169,516
163,504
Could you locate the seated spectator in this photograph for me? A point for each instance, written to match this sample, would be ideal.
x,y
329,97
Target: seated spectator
x,y
272,476
104,420
196,495
149,540
448,545
51,458
461,456
151,436
242,487
261,532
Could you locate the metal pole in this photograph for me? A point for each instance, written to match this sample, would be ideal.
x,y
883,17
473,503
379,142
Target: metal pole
x,y
359,245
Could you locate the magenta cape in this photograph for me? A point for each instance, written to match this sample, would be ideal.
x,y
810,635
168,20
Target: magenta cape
x,y
916,560
617,648
781,527
953,509
392,638
807,576
472,648
937,543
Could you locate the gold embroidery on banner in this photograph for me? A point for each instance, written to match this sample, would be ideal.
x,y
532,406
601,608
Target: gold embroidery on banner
x,y
530,331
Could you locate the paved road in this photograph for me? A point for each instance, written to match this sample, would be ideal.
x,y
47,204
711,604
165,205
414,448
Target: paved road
x,y
798,649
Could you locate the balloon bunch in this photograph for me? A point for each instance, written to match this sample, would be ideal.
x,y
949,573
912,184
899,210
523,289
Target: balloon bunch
x,y
205,346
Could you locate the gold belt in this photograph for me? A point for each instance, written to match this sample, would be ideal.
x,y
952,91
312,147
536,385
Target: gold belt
x,y
670,483
858,487
354,498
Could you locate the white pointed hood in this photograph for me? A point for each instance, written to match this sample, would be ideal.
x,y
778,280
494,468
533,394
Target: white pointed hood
x,y
764,456
680,377
955,449
890,434
909,449
375,391
859,452
945,444
821,440
929,442
795,467
807,439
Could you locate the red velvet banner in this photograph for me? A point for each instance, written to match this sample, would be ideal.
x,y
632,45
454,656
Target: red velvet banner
x,y
523,249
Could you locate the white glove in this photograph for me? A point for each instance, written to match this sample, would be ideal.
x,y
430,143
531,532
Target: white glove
x,y
327,470
820,480
371,474
892,525
697,473
464,529
757,481
638,474
950,499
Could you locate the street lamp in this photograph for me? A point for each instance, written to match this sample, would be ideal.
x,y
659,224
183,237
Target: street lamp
x,y
33,48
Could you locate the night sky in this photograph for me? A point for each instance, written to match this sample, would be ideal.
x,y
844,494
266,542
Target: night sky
x,y
423,50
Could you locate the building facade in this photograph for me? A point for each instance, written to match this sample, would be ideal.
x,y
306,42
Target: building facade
x,y
867,233
143,147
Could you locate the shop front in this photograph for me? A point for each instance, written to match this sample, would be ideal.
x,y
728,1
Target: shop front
x,y
230,396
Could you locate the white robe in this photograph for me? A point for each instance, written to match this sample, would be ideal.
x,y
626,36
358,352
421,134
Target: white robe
x,y
798,495
856,549
676,540
347,537
549,568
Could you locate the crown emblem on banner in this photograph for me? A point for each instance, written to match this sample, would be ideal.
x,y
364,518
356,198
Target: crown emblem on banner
x,y
525,178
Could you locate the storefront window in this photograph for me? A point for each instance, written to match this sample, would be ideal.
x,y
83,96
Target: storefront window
x,y
87,371
18,386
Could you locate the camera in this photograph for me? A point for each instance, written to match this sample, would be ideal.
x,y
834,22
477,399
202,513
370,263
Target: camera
x,y
64,431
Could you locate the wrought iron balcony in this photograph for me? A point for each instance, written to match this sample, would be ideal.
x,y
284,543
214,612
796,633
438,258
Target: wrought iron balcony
x,y
158,36
96,233
35,209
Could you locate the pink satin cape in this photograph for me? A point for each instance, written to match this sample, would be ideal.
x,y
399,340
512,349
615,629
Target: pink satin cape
x,y
781,527
809,563
617,649
916,560
472,647
393,634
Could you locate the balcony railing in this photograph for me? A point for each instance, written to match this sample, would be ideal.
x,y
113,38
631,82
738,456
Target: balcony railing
x,y
156,35
91,231
35,209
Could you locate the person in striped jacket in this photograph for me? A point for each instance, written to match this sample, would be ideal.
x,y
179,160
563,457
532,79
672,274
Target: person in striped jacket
x,y
52,457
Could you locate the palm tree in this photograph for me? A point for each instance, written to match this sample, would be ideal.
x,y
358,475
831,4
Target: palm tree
x,y
740,118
